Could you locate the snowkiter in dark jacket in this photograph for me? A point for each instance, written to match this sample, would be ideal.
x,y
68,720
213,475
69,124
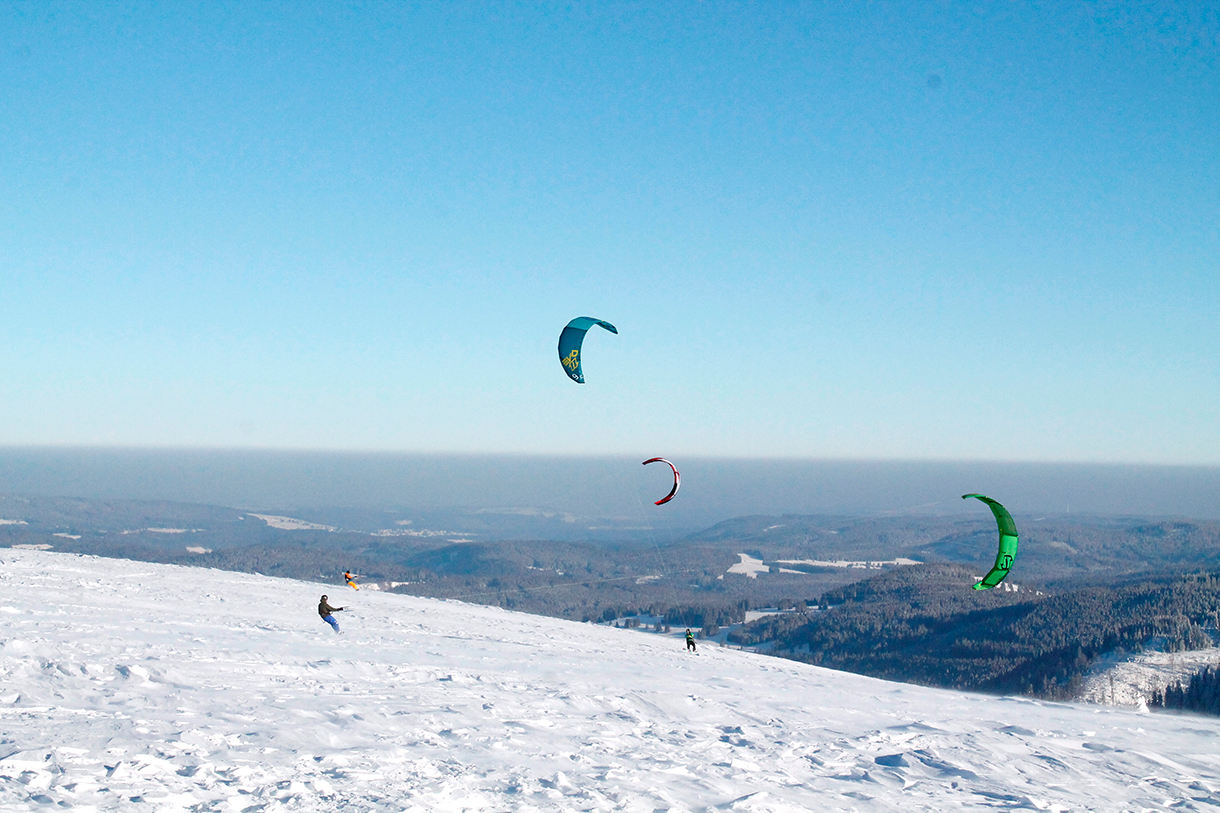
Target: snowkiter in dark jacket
x,y
325,611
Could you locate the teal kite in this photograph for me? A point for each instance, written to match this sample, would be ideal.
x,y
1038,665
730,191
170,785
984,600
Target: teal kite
x,y
1008,543
571,339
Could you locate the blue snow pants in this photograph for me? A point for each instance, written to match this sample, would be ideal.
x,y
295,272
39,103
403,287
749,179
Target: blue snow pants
x,y
330,619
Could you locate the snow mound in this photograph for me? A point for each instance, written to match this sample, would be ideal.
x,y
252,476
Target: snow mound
x,y
136,687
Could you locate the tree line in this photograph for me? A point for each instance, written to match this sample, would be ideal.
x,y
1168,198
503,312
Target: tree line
x,y
1199,694
925,625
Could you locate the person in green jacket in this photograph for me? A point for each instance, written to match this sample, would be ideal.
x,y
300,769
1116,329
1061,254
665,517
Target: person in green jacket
x,y
690,641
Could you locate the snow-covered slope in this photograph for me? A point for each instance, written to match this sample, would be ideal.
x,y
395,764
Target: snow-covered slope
x,y
1127,681
141,687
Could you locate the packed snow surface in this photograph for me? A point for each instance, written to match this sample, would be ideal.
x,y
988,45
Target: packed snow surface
x,y
128,686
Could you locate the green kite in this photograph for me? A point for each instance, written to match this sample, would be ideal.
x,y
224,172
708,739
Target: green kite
x,y
1008,543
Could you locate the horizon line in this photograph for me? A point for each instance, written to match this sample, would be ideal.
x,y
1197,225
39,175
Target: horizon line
x,y
286,450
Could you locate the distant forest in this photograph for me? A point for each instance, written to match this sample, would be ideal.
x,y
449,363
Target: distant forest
x,y
924,625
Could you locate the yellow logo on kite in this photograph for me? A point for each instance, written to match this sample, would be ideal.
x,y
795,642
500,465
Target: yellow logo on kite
x,y
572,361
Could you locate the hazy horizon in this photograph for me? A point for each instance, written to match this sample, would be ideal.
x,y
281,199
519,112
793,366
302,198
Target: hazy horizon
x,y
713,489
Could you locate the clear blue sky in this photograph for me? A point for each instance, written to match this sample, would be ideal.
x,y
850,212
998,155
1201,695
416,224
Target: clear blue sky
x,y
983,231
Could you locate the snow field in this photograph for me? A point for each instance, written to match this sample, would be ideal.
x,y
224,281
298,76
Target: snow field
x,y
127,686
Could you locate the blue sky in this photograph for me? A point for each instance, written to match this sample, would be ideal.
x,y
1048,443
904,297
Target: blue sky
x,y
941,231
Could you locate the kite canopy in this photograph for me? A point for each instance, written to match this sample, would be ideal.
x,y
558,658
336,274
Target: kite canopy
x,y
677,479
1008,543
571,339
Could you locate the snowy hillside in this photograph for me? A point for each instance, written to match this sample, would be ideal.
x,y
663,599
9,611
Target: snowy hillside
x,y
143,687
1129,680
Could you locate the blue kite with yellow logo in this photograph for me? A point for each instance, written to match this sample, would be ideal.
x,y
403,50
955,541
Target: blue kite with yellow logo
x,y
570,341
